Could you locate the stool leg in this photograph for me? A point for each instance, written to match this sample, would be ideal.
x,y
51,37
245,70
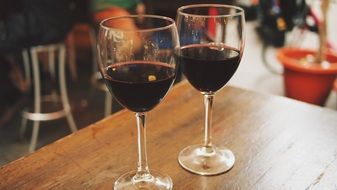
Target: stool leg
x,y
93,42
72,55
37,99
108,98
23,125
51,62
35,135
63,89
26,67
108,104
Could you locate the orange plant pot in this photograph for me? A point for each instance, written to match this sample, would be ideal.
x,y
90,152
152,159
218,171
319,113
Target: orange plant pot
x,y
306,82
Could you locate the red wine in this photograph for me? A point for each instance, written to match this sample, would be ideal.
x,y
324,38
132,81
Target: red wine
x,y
208,67
139,86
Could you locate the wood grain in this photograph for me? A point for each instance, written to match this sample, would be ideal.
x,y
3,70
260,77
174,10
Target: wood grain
x,y
278,143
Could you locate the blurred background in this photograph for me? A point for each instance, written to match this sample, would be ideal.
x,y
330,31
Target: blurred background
x,y
25,24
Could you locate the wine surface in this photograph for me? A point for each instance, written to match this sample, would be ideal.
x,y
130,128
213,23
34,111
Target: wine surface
x,y
208,67
139,86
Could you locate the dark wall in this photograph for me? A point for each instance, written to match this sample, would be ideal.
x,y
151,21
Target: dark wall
x,y
82,11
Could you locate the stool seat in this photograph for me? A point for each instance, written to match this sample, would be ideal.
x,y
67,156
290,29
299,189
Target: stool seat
x,y
36,116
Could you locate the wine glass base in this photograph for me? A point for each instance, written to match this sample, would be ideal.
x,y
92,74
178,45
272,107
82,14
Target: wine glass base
x,y
206,161
155,181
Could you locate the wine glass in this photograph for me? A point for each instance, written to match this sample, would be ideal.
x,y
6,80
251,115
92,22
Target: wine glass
x,y
137,62
212,43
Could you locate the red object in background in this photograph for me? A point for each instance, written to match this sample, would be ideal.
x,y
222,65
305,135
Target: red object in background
x,y
306,82
211,22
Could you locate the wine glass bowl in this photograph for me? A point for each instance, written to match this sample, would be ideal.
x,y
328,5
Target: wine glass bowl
x,y
137,62
207,67
212,43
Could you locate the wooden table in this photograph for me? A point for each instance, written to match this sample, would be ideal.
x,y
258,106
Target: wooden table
x,y
278,143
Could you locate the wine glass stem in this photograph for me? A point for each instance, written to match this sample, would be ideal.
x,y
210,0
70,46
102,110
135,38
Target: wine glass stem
x,y
208,100
143,169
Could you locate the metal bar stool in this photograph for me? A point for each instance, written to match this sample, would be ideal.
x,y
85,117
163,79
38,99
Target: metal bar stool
x,y
37,116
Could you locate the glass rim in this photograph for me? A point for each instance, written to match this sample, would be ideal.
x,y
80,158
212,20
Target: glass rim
x,y
181,10
101,24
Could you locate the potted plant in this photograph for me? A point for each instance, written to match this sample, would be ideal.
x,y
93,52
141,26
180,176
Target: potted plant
x,y
309,74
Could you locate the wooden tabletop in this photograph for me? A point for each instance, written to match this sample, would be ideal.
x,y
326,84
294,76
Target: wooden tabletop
x,y
278,143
